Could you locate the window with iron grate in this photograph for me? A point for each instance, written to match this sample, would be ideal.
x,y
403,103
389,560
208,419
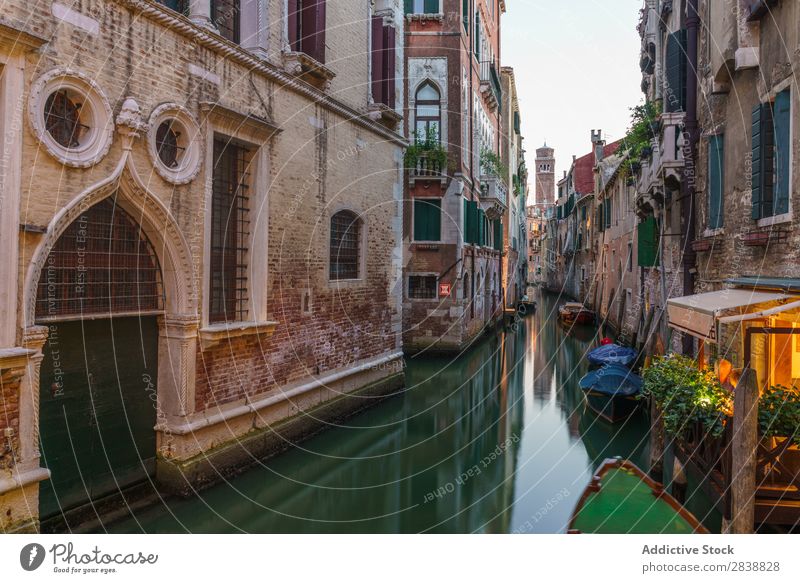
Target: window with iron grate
x,y
167,145
101,264
345,246
422,287
62,118
230,232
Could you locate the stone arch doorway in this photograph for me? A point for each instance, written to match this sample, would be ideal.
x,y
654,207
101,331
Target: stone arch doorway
x,y
99,293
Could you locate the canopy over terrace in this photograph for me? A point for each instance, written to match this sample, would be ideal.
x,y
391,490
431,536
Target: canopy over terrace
x,y
699,314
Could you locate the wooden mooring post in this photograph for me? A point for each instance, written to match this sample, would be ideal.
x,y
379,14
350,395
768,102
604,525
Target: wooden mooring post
x,y
744,446
656,443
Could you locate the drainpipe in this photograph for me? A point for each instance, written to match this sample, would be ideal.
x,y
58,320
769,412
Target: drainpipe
x,y
471,138
690,167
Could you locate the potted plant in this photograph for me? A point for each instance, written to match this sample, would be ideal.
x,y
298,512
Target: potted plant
x,y
426,155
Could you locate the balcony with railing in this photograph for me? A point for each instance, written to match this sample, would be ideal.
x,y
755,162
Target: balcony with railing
x,y
662,163
426,166
490,84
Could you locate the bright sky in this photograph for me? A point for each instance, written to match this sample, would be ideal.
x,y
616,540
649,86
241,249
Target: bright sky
x,y
576,64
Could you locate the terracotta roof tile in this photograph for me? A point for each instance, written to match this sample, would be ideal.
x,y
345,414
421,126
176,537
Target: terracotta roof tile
x,y
583,174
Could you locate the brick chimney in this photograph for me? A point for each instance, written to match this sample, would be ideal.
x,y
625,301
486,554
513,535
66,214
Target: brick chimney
x,y
599,146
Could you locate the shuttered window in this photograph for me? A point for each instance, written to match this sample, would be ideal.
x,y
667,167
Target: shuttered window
x,y
225,15
477,35
647,242
383,62
783,145
715,181
306,24
465,14
481,227
676,72
471,218
607,208
498,235
427,219
600,219
771,156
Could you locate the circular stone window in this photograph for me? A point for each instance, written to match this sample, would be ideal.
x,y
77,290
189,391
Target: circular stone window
x,y
71,117
174,145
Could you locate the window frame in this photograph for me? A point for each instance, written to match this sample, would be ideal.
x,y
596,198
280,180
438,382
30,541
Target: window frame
x,y
361,255
428,102
422,274
426,199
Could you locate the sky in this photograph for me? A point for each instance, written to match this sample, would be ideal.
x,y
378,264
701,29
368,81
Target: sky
x,y
576,64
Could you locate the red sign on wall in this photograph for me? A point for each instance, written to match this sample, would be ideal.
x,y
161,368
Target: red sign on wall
x,y
444,289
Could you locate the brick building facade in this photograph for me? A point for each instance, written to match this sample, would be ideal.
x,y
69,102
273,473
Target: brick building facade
x,y
456,195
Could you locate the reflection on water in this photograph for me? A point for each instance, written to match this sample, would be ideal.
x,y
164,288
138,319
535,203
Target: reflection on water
x,y
496,440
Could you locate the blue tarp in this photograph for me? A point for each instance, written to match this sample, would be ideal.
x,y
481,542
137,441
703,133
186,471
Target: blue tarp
x,y
612,379
612,354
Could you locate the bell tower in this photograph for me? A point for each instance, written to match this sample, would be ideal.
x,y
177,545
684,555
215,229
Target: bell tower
x,y
545,175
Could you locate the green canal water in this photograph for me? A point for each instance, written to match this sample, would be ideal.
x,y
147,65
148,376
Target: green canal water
x,y
495,440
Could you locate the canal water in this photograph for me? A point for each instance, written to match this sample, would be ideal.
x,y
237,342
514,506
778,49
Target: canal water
x,y
495,440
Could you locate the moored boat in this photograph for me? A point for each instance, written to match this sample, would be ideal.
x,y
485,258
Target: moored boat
x,y
611,391
612,354
575,313
622,499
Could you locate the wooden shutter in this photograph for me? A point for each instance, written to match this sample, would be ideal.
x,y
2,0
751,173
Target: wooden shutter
x,y
465,14
427,220
607,206
478,36
409,6
293,20
676,71
647,242
715,181
755,144
389,58
481,227
472,221
783,144
377,59
431,6
498,235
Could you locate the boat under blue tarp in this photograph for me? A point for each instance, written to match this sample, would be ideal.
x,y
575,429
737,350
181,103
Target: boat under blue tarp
x,y
612,379
612,354
611,391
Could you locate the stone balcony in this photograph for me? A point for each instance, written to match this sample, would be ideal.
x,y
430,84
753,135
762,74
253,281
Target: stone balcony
x,y
494,195
662,169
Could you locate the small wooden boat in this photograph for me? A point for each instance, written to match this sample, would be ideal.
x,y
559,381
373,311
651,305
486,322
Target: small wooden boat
x,y
575,313
622,499
611,391
612,354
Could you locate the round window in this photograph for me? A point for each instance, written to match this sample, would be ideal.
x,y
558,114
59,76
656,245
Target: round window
x,y
168,144
174,140
71,117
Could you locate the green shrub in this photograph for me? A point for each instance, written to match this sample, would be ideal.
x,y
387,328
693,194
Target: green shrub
x,y
779,413
686,396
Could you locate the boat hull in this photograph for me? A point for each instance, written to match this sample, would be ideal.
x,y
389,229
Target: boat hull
x,y
612,408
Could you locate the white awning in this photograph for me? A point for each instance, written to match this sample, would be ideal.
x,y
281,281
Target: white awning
x,y
697,314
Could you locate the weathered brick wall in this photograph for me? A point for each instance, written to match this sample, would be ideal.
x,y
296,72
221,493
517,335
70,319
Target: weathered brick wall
x,y
9,417
320,163
730,113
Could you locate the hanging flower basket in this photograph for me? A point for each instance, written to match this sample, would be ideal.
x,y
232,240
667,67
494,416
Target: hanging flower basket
x,y
763,238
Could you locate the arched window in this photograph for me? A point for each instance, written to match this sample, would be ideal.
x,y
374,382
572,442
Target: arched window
x,y
345,245
102,264
427,112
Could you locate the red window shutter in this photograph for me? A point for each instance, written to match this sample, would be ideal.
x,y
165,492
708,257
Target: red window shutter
x,y
313,26
293,20
389,66
377,59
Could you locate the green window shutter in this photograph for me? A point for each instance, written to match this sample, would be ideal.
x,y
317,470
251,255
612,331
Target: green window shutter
x,y
715,181
647,242
427,220
465,14
783,145
676,71
601,218
472,221
516,122
607,207
481,227
498,235
431,6
478,36
755,144
409,6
